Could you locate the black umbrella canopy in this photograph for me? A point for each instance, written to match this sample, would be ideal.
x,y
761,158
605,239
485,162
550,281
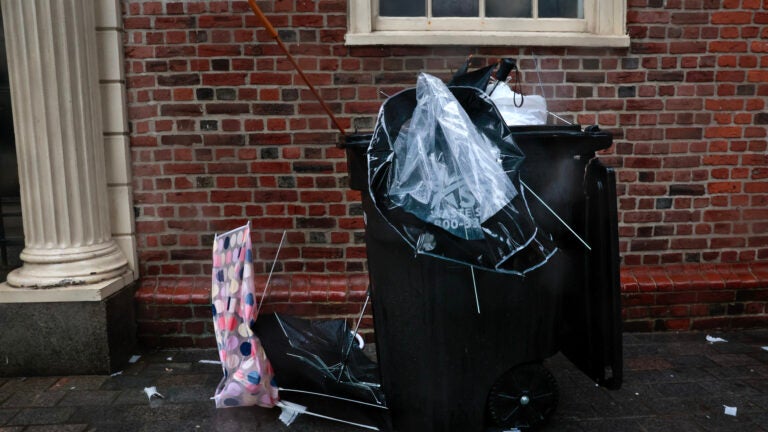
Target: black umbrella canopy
x,y
319,356
443,171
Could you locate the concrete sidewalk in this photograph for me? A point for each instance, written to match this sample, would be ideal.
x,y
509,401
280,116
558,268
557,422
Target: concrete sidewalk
x,y
673,382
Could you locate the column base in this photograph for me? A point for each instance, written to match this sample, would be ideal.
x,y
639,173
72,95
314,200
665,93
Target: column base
x,y
60,335
49,268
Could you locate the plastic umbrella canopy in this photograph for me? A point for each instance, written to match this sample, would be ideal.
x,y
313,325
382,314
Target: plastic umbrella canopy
x,y
248,375
443,170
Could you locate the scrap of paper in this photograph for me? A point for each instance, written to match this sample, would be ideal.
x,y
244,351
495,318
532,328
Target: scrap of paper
x,y
152,391
713,339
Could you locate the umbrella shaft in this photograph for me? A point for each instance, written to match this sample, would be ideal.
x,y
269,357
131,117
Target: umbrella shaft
x,y
272,32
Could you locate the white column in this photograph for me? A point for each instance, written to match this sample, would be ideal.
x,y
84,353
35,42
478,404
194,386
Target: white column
x,y
53,70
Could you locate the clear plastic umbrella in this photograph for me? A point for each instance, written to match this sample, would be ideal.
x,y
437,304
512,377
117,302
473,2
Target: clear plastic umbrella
x,y
444,172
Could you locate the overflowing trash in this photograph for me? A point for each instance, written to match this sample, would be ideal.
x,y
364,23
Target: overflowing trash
x,y
531,112
444,172
478,234
447,209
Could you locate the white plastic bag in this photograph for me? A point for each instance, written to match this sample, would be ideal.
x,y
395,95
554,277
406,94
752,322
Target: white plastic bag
x,y
532,112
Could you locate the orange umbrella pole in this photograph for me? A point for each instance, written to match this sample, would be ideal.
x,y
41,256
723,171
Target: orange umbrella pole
x,y
268,25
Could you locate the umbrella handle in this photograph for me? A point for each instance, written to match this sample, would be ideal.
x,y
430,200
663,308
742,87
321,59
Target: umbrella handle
x,y
272,32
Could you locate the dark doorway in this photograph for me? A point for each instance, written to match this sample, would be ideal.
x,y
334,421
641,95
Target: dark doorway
x,y
11,233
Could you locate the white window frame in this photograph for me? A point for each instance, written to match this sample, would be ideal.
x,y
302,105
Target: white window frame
x,y
604,25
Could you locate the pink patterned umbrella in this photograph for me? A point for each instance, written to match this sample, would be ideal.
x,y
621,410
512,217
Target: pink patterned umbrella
x,y
248,375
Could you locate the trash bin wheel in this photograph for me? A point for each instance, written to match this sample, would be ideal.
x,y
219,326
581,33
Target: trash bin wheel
x,y
523,397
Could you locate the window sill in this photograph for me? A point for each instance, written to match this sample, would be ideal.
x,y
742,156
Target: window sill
x,y
487,38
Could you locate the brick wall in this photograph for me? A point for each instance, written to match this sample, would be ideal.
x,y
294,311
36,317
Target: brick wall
x,y
223,131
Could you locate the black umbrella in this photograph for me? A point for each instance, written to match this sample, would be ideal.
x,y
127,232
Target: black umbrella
x,y
321,365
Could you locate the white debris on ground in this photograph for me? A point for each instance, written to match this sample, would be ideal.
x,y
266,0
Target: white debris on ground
x,y
152,391
289,411
713,339
729,410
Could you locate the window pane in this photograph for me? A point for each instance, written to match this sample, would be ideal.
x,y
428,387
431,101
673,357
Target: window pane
x,y
508,8
402,8
561,8
455,8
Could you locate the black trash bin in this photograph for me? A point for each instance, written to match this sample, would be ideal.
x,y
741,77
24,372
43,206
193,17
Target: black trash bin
x,y
446,367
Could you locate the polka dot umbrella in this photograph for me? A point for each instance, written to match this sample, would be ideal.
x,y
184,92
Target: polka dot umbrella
x,y
248,375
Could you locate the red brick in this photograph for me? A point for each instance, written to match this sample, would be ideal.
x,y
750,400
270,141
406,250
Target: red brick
x,y
687,47
174,22
750,321
711,323
721,215
218,50
648,17
676,298
649,245
683,133
220,21
323,197
644,104
672,324
666,76
132,23
690,18
224,79
724,187
760,76
723,132
689,243
174,51
728,46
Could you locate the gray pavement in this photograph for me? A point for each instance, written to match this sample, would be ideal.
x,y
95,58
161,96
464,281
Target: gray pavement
x,y
673,382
